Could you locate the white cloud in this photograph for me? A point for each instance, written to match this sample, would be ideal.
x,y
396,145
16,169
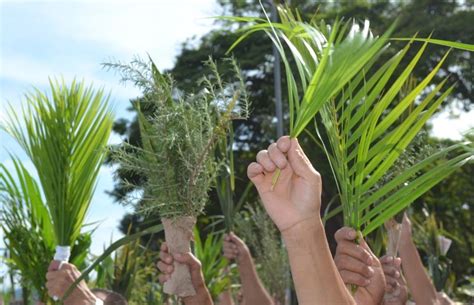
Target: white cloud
x,y
445,126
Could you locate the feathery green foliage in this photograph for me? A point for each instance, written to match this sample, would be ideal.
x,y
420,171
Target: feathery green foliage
x,y
179,137
359,114
260,234
65,135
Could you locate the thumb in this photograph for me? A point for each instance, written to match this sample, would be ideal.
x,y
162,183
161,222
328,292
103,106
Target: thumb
x,y
190,260
365,246
194,266
54,265
299,161
236,239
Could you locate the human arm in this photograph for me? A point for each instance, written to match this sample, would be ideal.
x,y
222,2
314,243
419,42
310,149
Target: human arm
x,y
165,265
252,288
294,206
420,286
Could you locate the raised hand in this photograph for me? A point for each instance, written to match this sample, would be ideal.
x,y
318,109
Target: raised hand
x,y
165,265
396,290
59,281
235,248
358,266
296,196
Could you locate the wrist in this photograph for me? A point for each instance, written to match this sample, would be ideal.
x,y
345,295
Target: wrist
x,y
244,257
87,298
297,234
405,243
202,297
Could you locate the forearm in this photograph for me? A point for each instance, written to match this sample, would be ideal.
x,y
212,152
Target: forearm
x,y
225,298
315,275
252,288
419,284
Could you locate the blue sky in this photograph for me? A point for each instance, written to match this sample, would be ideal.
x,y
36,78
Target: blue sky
x,y
71,38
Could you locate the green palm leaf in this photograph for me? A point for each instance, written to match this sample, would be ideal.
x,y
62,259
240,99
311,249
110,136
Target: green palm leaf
x,y
65,135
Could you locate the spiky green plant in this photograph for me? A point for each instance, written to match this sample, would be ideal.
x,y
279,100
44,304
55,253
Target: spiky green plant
x,y
359,111
131,273
179,137
65,135
209,253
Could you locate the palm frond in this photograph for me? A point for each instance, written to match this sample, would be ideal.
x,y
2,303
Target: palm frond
x,y
360,110
65,135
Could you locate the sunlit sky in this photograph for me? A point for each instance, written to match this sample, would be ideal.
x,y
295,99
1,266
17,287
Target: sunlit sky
x,y
72,38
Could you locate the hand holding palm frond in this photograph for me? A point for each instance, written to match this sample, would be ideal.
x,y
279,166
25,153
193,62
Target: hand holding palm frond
x,y
360,110
326,57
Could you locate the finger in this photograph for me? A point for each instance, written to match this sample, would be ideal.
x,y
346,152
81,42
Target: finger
x,y
54,265
255,173
164,247
188,259
236,239
277,156
165,268
355,251
51,275
300,163
386,259
230,248
344,262
264,159
162,278
391,281
66,266
193,263
166,257
284,144
349,277
345,233
365,246
390,271
230,254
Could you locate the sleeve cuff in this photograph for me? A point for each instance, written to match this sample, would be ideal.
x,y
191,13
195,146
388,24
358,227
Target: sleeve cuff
x,y
99,301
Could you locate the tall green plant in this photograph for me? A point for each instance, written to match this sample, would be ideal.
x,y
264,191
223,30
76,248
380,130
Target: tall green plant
x,y
359,111
225,182
65,135
209,253
28,228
